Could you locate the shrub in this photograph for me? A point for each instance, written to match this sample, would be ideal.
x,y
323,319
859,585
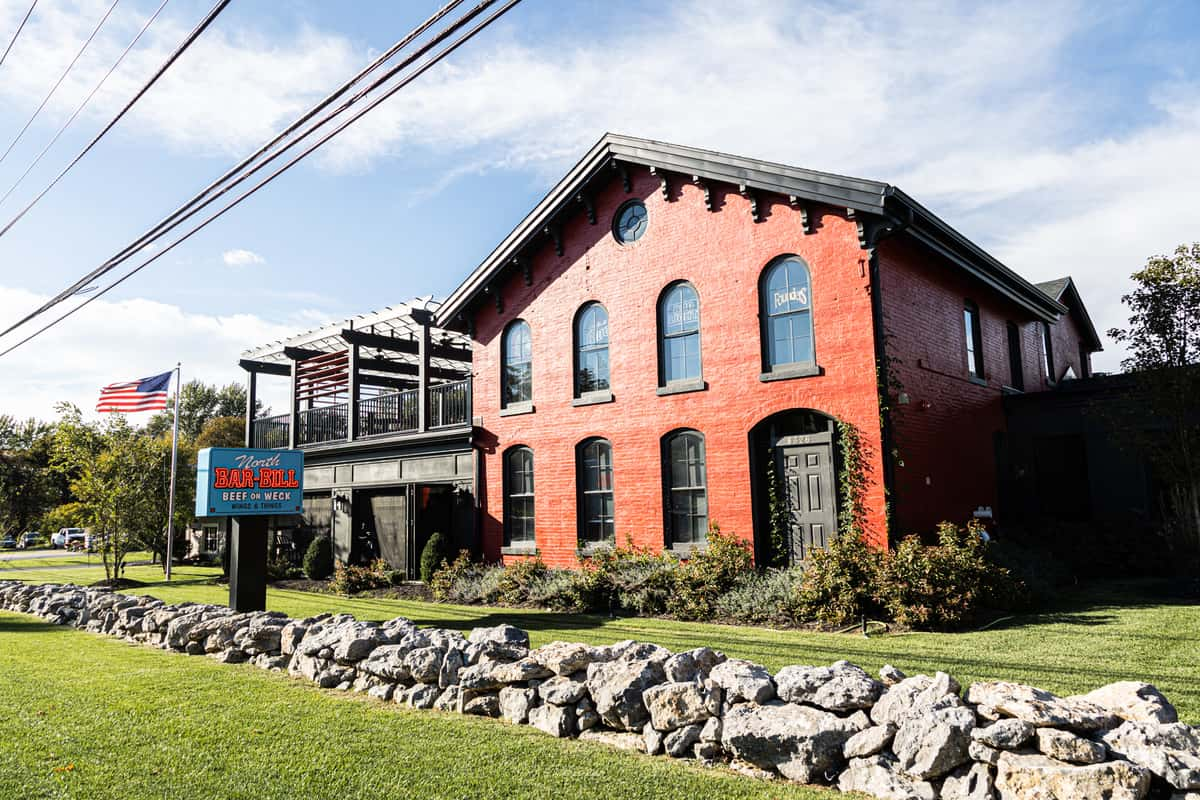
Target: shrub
x,y
351,579
558,590
318,559
769,598
442,584
944,585
281,568
433,556
839,581
515,580
1034,568
709,573
628,577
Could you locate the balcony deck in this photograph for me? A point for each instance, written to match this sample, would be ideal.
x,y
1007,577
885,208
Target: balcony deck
x,y
394,415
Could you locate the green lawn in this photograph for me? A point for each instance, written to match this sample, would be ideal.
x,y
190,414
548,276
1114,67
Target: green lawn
x,y
67,559
1100,634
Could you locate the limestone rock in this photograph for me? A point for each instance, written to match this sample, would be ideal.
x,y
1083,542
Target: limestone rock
x,y
978,751
1040,708
916,696
890,676
449,699
621,741
1170,751
801,742
519,671
653,740
1066,746
1035,777
882,777
842,687
562,691
1133,701
674,705
486,704
423,695
932,744
744,681
712,730
565,658
869,741
692,665
555,720
515,704
387,661
1004,734
969,783
424,664
678,743
616,688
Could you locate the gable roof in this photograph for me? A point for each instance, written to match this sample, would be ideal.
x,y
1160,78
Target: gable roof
x,y
1064,291
879,201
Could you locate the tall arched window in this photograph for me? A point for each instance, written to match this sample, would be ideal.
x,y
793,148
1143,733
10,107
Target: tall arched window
x,y
591,350
679,335
594,471
685,489
787,316
518,497
517,368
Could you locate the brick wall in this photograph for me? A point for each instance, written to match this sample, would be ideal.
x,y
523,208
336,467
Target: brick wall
x,y
722,253
945,435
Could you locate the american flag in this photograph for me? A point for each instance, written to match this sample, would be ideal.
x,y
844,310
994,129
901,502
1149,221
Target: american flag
x,y
147,394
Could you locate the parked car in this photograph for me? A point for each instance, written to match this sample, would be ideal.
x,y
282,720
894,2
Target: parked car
x,y
28,539
66,536
8,543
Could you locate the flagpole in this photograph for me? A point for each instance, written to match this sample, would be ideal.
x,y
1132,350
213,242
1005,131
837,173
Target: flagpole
x,y
174,460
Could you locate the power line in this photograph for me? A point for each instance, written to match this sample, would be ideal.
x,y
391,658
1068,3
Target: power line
x,y
462,39
18,33
187,42
86,100
61,78
190,208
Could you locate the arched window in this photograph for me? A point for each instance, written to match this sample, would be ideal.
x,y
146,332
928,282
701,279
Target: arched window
x,y
787,315
594,471
685,489
517,368
679,335
518,497
591,350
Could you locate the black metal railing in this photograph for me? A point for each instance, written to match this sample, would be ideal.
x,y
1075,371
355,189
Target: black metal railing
x,y
389,413
323,424
450,404
271,432
398,412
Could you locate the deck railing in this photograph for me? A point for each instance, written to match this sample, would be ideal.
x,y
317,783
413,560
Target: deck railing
x,y
449,406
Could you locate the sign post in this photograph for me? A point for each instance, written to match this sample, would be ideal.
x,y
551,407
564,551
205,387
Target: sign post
x,y
251,486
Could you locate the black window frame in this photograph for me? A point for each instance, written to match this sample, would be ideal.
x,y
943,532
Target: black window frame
x,y
789,369
583,493
529,543
671,537
1016,359
973,333
690,382
578,353
505,363
1048,353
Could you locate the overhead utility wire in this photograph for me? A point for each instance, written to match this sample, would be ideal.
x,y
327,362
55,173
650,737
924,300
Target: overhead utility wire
x,y
169,221
61,78
86,100
18,33
184,45
462,39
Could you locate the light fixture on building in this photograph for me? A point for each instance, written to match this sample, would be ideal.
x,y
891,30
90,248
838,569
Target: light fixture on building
x,y
902,398
342,503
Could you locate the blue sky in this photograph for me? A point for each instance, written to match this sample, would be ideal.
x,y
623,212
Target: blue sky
x,y
1060,136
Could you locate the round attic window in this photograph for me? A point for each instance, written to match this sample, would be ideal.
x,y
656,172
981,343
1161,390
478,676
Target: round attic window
x,y
630,222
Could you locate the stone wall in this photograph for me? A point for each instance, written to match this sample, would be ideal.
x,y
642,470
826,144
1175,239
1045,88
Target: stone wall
x,y
893,737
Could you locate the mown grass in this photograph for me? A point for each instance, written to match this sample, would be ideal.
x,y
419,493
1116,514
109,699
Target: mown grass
x,y
67,559
86,717
1102,633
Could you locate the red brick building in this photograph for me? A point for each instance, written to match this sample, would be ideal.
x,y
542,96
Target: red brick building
x,y
671,332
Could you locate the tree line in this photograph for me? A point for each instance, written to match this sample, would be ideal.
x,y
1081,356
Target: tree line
x,y
110,476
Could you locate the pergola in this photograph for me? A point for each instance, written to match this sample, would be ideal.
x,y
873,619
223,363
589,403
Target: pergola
x,y
385,372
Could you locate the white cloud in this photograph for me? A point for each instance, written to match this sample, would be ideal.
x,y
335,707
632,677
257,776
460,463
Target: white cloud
x,y
112,340
241,258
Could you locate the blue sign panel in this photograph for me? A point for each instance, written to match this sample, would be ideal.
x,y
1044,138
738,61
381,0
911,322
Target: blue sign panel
x,y
242,481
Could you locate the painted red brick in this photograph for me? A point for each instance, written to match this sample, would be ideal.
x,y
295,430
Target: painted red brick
x,y
722,253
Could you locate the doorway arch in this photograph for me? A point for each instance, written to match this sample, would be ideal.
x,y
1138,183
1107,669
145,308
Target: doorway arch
x,y
795,509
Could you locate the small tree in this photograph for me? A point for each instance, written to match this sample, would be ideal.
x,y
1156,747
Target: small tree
x,y
318,559
433,556
1163,338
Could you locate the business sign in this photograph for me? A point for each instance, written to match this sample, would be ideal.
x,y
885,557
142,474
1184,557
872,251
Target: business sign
x,y
242,481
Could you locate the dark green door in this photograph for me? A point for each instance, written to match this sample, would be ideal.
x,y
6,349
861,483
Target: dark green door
x,y
808,478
